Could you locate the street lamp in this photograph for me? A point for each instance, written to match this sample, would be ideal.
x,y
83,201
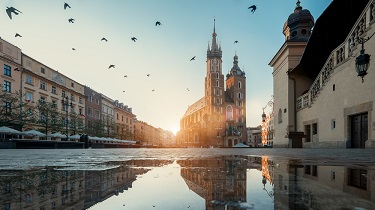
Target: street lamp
x,y
65,103
362,62
21,70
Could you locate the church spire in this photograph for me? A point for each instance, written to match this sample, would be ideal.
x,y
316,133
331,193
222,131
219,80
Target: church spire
x,y
214,44
215,50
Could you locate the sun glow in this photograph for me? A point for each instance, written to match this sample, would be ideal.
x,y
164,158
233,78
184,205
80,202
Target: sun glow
x,y
175,130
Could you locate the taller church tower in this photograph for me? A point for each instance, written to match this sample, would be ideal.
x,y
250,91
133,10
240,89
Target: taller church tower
x,y
214,91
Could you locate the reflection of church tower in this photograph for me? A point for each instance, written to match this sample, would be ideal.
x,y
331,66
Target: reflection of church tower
x,y
214,90
220,179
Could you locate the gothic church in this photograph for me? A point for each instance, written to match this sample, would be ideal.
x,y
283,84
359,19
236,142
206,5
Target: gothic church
x,y
218,119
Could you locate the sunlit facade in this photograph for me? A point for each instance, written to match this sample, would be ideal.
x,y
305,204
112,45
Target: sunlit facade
x,y
42,83
267,130
124,121
10,59
321,102
219,118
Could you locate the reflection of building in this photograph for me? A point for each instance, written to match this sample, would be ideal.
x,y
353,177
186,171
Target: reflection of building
x,y
321,101
218,178
219,118
42,188
103,183
310,186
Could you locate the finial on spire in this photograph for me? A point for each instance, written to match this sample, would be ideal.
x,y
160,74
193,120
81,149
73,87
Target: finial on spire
x,y
214,23
298,5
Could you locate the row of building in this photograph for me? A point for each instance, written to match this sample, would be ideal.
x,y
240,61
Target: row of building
x,y
100,115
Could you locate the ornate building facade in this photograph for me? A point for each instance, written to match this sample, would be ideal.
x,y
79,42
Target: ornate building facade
x,y
321,102
219,118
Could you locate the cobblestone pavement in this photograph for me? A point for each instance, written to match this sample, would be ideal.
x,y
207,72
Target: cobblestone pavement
x,y
12,158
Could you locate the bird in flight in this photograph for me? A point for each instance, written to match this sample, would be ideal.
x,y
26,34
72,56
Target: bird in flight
x,y
123,91
253,8
71,20
187,89
192,59
126,76
153,90
158,23
17,35
73,48
9,11
66,5
134,39
104,39
148,75
111,66
235,42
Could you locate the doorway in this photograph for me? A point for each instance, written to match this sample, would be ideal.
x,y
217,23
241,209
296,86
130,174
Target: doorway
x,y
359,130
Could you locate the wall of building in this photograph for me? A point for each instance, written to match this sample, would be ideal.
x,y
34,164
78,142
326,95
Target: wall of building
x,y
343,95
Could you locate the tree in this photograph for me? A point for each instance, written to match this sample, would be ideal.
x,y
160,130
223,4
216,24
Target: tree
x,y
76,123
13,111
109,127
94,128
47,116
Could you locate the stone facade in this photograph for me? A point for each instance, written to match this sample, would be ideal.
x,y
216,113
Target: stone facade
x,y
321,100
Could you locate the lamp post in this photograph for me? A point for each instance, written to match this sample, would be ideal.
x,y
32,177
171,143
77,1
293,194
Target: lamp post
x,y
362,62
21,70
65,103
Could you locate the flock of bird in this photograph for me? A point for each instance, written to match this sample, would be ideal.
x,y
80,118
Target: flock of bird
x,y
15,11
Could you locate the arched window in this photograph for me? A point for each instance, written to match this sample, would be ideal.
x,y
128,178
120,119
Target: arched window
x,y
239,95
217,83
280,116
229,113
196,139
217,75
239,85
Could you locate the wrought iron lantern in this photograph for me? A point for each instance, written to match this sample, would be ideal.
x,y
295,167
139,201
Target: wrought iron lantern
x,y
362,62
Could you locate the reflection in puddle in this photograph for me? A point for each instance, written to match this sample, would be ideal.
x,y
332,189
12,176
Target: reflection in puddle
x,y
219,182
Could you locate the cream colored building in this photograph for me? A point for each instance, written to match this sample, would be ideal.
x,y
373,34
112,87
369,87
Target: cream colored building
x,y
268,130
124,120
10,60
40,82
319,101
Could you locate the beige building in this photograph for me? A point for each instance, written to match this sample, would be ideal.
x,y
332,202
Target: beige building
x,y
10,60
320,102
267,130
124,121
254,136
149,135
40,82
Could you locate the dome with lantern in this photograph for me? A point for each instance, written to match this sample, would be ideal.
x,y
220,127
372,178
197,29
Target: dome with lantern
x,y
299,24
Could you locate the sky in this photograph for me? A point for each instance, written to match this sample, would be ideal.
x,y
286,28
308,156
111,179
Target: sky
x,y
162,51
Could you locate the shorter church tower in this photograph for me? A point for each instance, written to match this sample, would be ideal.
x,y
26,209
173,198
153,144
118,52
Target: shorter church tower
x,y
235,105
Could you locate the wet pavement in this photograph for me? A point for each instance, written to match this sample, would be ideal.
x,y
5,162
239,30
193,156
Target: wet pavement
x,y
187,179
